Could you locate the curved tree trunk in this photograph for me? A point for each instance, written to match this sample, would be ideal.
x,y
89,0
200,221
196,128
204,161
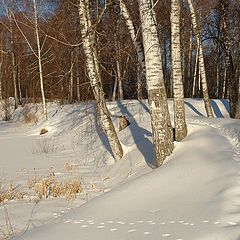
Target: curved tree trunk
x,y
179,110
88,40
157,97
207,101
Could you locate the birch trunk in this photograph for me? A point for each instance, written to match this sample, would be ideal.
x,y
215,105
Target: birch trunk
x,y
19,81
71,79
88,43
157,98
195,75
114,89
179,110
190,58
118,57
1,97
14,65
78,88
78,82
138,46
202,71
40,61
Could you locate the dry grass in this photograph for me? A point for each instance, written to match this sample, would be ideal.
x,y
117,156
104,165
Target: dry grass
x,y
49,186
10,192
43,187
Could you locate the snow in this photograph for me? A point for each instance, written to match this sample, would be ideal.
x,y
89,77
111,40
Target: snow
x,y
195,195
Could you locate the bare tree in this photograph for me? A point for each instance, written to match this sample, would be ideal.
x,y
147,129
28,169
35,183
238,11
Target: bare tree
x,y
179,110
207,101
157,98
39,59
92,64
138,46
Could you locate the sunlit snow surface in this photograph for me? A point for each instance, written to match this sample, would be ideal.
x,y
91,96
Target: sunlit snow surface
x,y
195,195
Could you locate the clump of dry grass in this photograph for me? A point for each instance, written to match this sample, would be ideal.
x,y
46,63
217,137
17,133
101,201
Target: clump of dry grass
x,y
43,187
68,167
10,193
49,186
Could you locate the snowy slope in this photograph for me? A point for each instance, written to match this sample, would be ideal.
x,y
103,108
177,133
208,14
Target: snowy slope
x,y
195,195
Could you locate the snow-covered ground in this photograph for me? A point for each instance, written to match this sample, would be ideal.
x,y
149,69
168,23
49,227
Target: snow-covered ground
x,y
195,195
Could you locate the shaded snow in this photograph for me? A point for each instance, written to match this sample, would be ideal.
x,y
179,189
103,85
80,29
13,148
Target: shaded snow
x,y
195,195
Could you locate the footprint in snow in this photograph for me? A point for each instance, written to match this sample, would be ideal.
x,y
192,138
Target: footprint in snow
x,y
68,221
101,226
76,222
113,229
166,235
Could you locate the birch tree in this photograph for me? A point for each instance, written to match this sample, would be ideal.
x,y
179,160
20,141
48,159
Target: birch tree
x,y
92,64
157,98
39,59
179,110
202,71
137,44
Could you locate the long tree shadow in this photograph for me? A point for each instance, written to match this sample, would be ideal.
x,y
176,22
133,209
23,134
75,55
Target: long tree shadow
x,y
101,133
216,109
194,109
225,103
140,137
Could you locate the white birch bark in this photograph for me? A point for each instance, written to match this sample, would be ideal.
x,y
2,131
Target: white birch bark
x,y
71,79
14,65
195,89
138,46
114,89
88,43
179,110
1,97
157,97
19,82
39,60
119,77
206,98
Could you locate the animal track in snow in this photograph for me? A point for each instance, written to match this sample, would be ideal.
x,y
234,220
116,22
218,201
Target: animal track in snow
x,y
101,226
77,222
113,229
166,235
84,226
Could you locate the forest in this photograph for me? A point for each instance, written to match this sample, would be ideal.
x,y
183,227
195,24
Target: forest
x,y
63,62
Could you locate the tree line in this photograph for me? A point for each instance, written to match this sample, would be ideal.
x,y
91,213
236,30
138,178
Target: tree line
x,y
118,49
